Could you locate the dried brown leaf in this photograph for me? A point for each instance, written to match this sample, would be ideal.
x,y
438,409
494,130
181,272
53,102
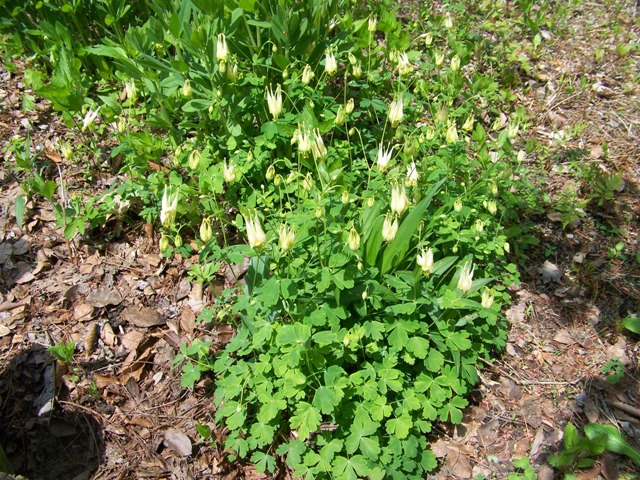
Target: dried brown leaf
x,y
178,442
144,317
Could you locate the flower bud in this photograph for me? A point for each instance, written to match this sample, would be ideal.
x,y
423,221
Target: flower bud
x,y
177,241
352,58
277,180
353,241
442,114
285,74
457,205
271,172
186,88
431,133
164,243
194,159
506,247
396,113
455,63
349,107
492,208
66,150
428,39
319,212
345,197
341,116
307,74
232,71
307,183
352,131
373,24
169,208
438,59
521,155
206,232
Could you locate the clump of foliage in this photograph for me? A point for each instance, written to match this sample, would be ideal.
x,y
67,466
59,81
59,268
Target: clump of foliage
x,y
376,181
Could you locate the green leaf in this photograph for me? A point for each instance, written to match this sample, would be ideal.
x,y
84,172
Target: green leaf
x,y
419,347
20,208
611,439
397,249
359,439
631,324
399,426
428,461
325,399
453,409
307,419
263,462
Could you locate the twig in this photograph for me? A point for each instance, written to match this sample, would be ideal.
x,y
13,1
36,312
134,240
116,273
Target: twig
x,y
529,382
626,408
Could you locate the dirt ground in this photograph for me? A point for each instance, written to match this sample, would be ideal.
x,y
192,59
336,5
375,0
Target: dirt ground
x,y
117,411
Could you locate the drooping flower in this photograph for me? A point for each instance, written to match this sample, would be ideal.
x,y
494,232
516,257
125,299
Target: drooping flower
x,y
399,200
341,116
448,21
396,113
468,123
330,64
255,234
274,101
307,182
457,205
286,238
357,70
492,208
206,232
271,172
186,88
222,52
442,114
428,39
318,149
169,208
425,260
412,174
90,118
452,132
350,106
487,298
438,58
373,24
404,65
194,159
384,157
455,63
465,282
164,243
353,241
389,228
232,71
228,172
130,89
307,74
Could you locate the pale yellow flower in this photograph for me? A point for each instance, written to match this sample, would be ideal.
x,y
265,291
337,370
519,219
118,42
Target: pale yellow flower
x,y
425,260
255,234
389,228
399,200
465,282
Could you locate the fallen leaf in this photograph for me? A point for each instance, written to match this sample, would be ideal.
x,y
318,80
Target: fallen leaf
x,y
537,442
103,380
458,464
4,330
440,448
564,337
91,339
103,297
178,442
84,311
144,317
545,472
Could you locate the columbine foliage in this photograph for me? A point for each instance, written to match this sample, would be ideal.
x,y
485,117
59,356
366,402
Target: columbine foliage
x,y
375,183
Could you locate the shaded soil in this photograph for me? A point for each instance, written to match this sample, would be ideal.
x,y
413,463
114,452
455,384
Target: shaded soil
x,y
118,411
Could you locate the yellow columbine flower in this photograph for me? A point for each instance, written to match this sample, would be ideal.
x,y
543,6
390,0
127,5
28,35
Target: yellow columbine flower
x,y
384,157
222,52
274,101
169,208
389,228
228,172
330,64
399,200
465,282
255,234
206,232
487,298
353,241
452,132
396,113
425,260
455,63
307,74
287,237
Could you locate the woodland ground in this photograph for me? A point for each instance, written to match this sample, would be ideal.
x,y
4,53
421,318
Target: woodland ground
x,y
118,411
